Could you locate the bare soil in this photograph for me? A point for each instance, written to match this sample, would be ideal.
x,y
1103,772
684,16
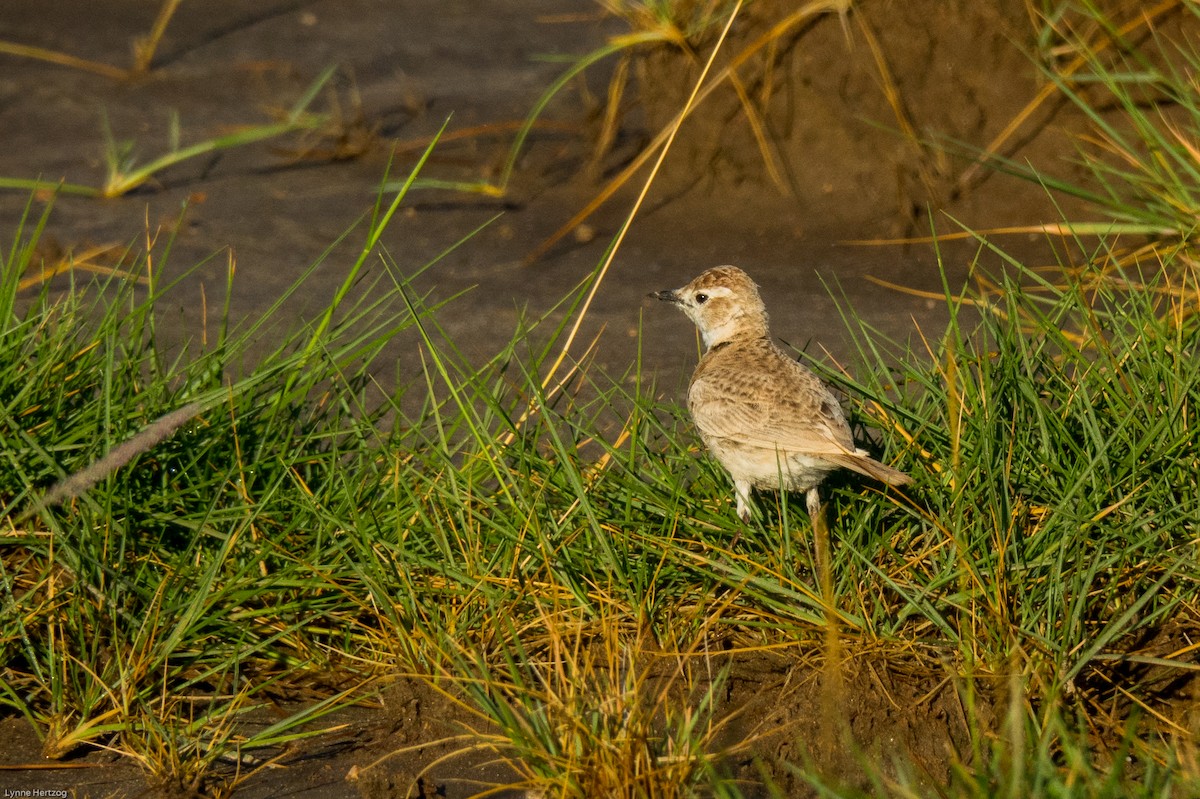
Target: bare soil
x,y
405,67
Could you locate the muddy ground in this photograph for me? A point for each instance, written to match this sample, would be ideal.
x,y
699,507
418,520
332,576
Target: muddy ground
x,y
404,68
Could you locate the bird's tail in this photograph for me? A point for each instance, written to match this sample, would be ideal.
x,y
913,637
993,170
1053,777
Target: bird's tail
x,y
866,465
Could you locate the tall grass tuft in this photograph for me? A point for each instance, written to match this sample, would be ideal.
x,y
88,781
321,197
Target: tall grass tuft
x,y
560,556
154,504
1130,72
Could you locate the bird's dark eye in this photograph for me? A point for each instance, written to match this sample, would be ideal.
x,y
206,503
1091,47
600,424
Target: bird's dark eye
x,y
701,299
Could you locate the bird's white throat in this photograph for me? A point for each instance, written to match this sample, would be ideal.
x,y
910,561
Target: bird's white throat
x,y
722,332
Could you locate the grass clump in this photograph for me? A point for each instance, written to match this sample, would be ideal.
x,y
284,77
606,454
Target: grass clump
x,y
1129,71
1046,557
184,541
555,556
1051,429
585,709
664,69
124,174
152,592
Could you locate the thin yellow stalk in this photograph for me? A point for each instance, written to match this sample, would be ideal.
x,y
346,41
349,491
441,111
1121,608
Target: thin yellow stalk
x,y
145,48
759,130
1067,229
63,59
84,262
612,253
891,93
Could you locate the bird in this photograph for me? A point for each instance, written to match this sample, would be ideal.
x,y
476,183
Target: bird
x,y
769,421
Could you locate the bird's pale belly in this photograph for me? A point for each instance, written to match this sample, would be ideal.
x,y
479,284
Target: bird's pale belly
x,y
763,468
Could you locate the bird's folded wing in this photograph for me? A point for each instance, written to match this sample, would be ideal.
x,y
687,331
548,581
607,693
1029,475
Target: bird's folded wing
x,y
806,421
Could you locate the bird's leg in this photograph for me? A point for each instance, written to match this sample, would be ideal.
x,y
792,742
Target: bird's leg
x,y
813,500
821,542
742,489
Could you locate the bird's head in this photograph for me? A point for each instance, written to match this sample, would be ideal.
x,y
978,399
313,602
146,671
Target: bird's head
x,y
724,303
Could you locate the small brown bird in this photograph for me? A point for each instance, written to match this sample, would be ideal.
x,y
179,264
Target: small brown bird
x,y
770,421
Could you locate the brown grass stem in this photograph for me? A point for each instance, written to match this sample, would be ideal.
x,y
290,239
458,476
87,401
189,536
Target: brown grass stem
x,y
145,47
63,60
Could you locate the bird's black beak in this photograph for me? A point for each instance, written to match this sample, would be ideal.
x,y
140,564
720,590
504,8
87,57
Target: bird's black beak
x,y
666,296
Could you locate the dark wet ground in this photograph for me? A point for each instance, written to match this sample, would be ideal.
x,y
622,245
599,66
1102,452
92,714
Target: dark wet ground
x,y
411,66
